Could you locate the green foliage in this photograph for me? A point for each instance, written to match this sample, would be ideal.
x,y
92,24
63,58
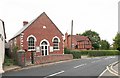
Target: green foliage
x,y
76,54
8,61
94,37
94,53
15,49
84,52
104,45
66,51
116,43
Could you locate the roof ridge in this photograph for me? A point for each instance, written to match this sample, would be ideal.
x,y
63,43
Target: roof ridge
x,y
27,25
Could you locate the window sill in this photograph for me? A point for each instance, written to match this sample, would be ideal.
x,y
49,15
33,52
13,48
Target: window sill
x,y
31,50
56,49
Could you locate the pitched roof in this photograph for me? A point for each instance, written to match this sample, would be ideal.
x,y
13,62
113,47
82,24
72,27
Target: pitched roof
x,y
24,27
27,25
80,38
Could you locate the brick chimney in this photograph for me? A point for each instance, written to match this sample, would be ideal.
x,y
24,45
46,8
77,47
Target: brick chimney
x,y
25,23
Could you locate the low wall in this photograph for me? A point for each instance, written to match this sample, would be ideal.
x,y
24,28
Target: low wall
x,y
52,58
23,61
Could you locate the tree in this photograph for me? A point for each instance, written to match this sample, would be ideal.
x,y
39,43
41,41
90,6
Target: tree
x,y
104,45
94,37
116,43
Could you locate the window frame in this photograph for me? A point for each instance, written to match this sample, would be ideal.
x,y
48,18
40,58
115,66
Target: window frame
x,y
33,45
56,43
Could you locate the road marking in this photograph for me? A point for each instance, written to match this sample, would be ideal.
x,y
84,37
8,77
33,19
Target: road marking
x,y
102,73
112,70
79,65
93,61
97,58
55,74
109,57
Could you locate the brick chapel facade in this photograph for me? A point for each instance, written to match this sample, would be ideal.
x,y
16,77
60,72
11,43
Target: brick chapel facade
x,y
40,35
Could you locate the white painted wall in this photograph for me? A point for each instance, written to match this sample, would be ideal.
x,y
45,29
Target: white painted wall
x,y
2,46
119,17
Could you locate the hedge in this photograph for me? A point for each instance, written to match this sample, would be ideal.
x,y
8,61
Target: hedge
x,y
94,53
91,53
76,54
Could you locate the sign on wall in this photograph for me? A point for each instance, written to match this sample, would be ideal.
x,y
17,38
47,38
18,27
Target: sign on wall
x,y
37,49
51,48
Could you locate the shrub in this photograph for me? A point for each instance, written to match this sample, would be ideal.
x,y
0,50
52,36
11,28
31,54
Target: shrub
x,y
91,53
8,61
94,53
84,52
76,54
66,51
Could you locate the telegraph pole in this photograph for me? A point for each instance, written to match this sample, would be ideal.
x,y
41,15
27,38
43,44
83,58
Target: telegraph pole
x,y
71,33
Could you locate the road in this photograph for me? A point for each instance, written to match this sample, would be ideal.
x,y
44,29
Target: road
x,y
81,67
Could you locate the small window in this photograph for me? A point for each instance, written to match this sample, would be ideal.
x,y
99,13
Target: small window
x,y
55,44
31,43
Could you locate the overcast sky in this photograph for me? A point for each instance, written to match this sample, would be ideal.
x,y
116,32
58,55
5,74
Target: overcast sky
x,y
98,15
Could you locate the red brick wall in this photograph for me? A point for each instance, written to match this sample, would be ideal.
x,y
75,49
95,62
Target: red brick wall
x,y
68,43
52,58
36,29
42,59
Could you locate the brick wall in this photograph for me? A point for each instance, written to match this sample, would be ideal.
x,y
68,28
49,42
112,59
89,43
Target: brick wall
x,y
52,58
23,61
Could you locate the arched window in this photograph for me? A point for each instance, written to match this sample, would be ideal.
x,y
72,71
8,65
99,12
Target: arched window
x,y
44,44
31,43
55,44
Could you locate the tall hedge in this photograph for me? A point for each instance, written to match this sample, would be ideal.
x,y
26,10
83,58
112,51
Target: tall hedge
x,y
92,53
95,53
76,54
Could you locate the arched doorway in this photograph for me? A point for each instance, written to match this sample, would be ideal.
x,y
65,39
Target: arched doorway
x,y
44,47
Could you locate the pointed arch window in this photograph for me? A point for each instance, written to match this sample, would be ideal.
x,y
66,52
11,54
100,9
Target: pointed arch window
x,y
56,41
31,43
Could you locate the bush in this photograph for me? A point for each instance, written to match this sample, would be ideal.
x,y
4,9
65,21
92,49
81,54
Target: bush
x,y
94,53
91,53
66,51
84,52
8,61
76,54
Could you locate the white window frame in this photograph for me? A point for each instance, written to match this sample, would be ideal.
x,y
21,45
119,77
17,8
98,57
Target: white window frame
x,y
58,43
34,42
48,44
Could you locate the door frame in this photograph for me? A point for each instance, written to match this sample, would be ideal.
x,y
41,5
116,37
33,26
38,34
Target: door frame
x,y
44,46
